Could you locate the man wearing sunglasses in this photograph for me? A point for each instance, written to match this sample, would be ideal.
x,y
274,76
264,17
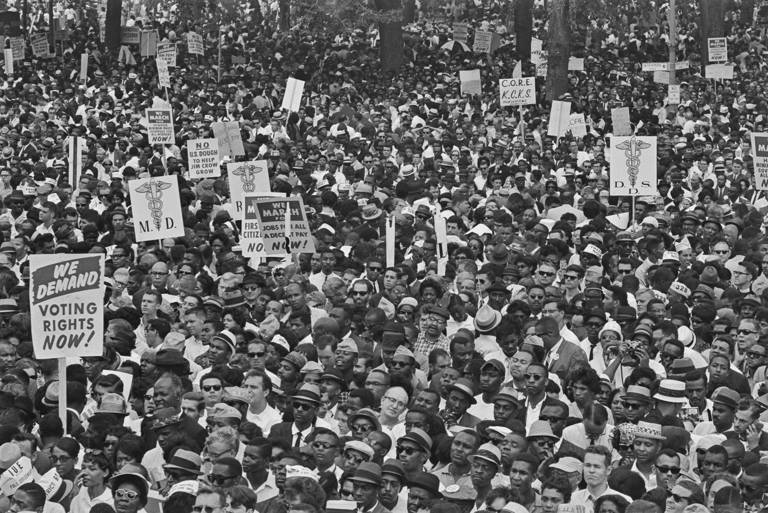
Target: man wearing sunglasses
x,y
304,404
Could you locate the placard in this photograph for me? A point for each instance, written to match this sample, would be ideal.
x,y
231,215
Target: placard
x,y
719,71
156,208
661,77
273,214
8,58
66,303
16,475
664,66
163,75
717,49
460,32
673,94
620,121
160,126
577,124
575,64
760,160
483,41
148,43
294,89
18,47
517,91
536,48
130,35
195,43
167,52
470,81
251,243
204,158
633,166
84,67
40,46
230,139
246,178
559,118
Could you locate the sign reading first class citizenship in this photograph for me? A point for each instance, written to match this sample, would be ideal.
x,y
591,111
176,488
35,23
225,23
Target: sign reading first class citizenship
x,y
760,151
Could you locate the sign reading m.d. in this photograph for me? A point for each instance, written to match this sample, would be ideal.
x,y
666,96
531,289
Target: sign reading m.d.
x,y
66,297
156,207
760,152
275,216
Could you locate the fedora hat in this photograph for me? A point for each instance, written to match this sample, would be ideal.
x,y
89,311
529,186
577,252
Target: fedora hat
x,y
541,429
425,481
488,452
186,461
368,472
671,391
309,393
637,393
365,413
420,438
650,430
465,387
726,396
371,211
487,319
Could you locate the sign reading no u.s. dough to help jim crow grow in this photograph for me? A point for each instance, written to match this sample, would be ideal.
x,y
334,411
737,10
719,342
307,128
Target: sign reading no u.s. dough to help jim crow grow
x,y
66,296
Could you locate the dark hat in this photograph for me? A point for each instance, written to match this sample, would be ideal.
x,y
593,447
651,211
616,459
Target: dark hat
x,y
495,364
365,413
420,438
726,396
169,358
309,393
393,467
464,386
425,481
296,359
498,286
368,472
187,461
165,417
334,374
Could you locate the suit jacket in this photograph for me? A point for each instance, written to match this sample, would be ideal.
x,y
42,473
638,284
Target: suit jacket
x,y
565,357
522,414
282,431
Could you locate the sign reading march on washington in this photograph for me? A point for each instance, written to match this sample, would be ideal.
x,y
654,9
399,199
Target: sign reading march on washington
x,y
160,126
633,166
273,220
66,297
251,243
156,207
760,152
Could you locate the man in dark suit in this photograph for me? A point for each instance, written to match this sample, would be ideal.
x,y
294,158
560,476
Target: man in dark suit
x,y
305,403
561,354
367,482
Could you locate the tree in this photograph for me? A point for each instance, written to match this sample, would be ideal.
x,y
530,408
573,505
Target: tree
x,y
523,22
559,48
711,24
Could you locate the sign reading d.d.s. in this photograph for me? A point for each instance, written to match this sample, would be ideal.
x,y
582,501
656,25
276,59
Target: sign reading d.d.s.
x,y
156,207
66,301
760,152
633,166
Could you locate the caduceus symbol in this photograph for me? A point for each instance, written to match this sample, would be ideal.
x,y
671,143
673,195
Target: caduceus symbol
x,y
632,148
153,191
247,174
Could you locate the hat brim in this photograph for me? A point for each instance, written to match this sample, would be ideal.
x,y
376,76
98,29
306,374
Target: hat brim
x,y
636,397
305,398
670,399
170,466
368,480
472,399
496,322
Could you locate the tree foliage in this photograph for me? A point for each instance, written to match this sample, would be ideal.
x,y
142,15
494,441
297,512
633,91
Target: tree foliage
x,y
341,16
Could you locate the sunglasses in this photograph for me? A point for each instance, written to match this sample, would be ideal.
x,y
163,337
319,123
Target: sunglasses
x,y
257,355
122,493
361,428
302,406
669,470
746,332
407,450
211,388
217,478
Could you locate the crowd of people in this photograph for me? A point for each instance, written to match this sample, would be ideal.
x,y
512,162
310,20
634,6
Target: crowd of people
x,y
559,349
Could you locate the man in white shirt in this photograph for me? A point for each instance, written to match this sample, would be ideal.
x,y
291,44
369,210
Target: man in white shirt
x,y
597,460
259,386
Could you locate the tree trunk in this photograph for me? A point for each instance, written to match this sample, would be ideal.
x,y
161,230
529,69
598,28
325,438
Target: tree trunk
x,y
285,14
712,24
111,25
559,49
390,37
523,13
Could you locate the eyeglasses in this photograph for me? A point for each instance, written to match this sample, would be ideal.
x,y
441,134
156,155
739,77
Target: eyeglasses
x,y
746,332
302,406
407,450
544,442
544,273
394,401
257,355
632,406
355,456
571,276
669,470
211,388
361,428
217,478
346,493
249,288
754,354
122,493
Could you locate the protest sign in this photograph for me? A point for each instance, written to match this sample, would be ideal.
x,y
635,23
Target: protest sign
x,y
719,71
60,31
156,207
160,126
274,216
664,66
163,75
66,304
517,91
460,32
195,44
229,137
251,243
559,118
167,52
292,97
542,66
536,47
50,482
633,166
246,178
717,48
470,81
204,158
83,67
148,43
661,77
483,41
130,35
40,46
760,160
16,475
125,377
575,64
8,58
673,94
620,121
577,124
18,47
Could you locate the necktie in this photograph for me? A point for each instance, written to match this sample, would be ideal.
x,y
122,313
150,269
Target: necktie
x,y
592,350
298,440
